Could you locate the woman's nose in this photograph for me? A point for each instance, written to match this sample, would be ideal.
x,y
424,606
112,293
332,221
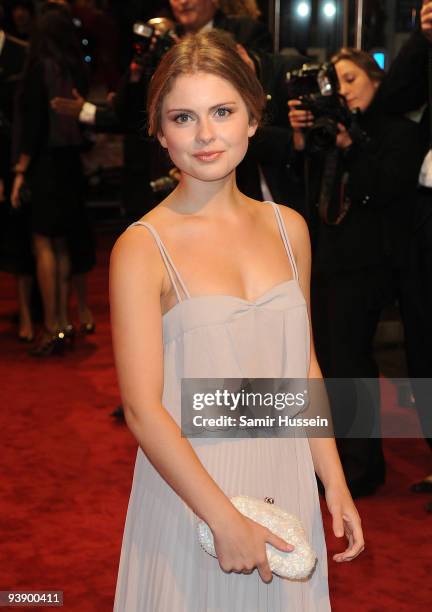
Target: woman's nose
x,y
343,90
205,131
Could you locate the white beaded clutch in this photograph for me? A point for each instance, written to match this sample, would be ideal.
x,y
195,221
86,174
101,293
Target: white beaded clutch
x,y
296,564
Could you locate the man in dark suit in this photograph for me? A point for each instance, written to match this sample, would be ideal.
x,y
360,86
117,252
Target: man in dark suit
x,y
405,89
197,15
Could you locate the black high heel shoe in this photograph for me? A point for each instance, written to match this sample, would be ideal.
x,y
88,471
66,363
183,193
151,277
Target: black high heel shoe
x,y
48,344
69,335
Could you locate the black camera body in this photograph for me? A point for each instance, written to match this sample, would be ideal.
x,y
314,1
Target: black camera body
x,y
317,87
151,40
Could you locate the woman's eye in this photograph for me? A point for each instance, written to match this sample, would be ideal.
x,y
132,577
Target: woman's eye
x,y
223,112
182,118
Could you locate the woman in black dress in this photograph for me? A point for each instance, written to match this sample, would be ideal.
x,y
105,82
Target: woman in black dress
x,y
49,162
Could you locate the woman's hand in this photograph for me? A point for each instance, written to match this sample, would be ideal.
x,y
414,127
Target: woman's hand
x,y
299,120
343,139
15,195
346,520
241,546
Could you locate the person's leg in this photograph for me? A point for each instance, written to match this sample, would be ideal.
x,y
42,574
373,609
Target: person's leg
x,y
345,317
84,313
62,280
46,269
24,289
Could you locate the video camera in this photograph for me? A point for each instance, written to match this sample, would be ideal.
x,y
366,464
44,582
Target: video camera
x,y
317,87
151,40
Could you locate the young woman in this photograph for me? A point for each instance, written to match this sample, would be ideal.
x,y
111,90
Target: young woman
x,y
359,253
212,284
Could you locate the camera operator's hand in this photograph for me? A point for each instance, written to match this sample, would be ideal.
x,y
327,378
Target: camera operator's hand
x,y
343,139
426,19
299,120
70,107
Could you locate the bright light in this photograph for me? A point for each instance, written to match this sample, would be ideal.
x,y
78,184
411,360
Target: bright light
x,y
329,9
303,9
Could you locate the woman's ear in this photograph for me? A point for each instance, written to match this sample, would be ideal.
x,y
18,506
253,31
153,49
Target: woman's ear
x,y
253,125
162,140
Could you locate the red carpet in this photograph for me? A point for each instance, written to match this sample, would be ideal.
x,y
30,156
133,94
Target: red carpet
x,y
66,471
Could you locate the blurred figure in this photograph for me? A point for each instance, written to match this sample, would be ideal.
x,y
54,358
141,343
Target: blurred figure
x,y
49,164
15,246
21,18
359,197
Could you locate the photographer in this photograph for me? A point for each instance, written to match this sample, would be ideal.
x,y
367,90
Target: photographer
x,y
408,88
360,190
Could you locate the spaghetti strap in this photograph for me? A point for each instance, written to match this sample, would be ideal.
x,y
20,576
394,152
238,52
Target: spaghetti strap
x,y
285,239
169,264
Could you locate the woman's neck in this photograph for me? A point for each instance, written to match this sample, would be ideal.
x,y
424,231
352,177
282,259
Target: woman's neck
x,y
196,197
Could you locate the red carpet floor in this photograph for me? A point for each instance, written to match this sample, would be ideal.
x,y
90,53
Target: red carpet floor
x,y
66,471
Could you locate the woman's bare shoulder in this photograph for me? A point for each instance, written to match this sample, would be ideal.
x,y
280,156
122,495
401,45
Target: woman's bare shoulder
x,y
136,253
294,222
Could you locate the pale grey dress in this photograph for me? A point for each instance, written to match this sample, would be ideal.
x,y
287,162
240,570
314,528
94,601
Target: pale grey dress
x,y
162,566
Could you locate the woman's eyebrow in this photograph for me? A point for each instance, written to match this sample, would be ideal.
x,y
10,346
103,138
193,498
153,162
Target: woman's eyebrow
x,y
188,110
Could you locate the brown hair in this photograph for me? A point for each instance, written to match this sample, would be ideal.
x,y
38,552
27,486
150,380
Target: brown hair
x,y
212,52
362,59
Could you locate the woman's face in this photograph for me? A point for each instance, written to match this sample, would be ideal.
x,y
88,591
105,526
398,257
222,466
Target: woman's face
x,y
355,85
205,126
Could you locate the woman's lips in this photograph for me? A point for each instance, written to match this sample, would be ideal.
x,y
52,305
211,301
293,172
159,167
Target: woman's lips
x,y
207,156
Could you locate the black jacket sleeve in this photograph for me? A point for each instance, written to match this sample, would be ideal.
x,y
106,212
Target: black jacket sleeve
x,y
405,87
385,170
33,111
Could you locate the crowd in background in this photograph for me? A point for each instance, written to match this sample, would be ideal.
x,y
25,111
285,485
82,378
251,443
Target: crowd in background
x,y
369,213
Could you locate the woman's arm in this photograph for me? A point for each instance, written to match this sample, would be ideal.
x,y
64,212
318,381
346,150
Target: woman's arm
x,y
324,453
136,280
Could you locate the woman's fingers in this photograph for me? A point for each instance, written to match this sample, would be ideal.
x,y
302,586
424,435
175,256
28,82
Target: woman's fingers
x,y
278,542
264,570
356,545
299,118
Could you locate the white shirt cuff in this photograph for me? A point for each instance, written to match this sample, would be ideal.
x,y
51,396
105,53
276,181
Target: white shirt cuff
x,y
88,113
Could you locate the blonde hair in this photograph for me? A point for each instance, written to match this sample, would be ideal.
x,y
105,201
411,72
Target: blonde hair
x,y
212,52
240,8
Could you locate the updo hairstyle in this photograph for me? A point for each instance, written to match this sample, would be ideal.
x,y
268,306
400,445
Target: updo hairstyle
x,y
213,52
